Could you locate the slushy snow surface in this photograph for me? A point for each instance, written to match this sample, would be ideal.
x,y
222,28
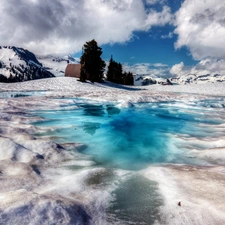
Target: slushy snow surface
x,y
83,153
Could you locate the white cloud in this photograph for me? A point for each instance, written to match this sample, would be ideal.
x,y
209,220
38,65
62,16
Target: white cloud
x,y
177,69
205,66
167,36
201,27
160,65
211,66
159,19
62,27
153,70
153,2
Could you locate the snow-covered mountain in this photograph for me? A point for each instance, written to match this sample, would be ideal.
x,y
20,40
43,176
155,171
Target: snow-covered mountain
x,y
198,79
18,64
142,80
57,65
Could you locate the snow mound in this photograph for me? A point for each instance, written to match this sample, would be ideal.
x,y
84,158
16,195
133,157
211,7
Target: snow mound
x,y
30,208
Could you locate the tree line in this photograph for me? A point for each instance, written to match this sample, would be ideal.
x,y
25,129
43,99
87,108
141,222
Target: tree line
x,y
93,67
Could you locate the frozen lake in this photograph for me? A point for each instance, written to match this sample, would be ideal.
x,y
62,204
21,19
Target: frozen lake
x,y
83,153
134,137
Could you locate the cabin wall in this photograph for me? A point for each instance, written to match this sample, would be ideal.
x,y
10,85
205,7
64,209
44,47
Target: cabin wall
x,y
73,70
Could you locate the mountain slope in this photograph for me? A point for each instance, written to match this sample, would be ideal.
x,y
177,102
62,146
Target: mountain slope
x,y
198,79
18,64
57,65
143,80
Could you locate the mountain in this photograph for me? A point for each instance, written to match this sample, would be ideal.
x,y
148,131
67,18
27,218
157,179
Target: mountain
x,y
18,64
57,65
143,80
198,79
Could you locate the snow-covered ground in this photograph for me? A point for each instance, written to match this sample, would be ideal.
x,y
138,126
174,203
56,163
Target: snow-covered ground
x,y
40,182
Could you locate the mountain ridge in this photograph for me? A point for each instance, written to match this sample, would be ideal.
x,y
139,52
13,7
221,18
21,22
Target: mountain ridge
x,y
18,64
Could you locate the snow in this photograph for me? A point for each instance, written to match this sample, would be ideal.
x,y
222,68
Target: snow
x,y
180,79
198,79
19,65
8,56
68,85
57,65
199,190
43,182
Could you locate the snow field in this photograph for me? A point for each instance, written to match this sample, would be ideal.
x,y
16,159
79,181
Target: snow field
x,y
43,182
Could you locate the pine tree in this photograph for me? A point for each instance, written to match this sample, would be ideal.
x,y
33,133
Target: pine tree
x,y
115,71
128,78
92,66
115,74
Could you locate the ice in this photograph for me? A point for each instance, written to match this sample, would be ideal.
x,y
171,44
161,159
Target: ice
x,y
47,180
112,134
41,210
17,94
13,151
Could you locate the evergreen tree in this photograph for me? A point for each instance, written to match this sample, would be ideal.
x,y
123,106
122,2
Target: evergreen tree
x,y
92,66
115,72
128,78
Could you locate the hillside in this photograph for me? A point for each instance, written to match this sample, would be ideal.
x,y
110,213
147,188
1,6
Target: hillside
x,y
198,79
57,65
143,80
18,64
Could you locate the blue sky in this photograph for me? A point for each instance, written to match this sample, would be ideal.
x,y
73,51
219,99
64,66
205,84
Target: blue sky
x,y
153,46
156,37
149,47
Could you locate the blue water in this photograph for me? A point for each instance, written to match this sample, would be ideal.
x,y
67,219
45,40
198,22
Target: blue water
x,y
134,138
129,138
18,94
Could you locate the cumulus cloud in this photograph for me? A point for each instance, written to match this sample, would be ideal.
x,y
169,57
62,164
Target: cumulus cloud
x,y
153,2
200,25
167,36
159,19
62,27
177,69
153,70
210,66
205,66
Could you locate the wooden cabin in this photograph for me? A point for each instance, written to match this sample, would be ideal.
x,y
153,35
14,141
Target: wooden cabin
x,y
73,70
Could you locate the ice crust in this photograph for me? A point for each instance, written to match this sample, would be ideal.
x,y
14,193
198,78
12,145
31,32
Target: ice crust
x,y
43,182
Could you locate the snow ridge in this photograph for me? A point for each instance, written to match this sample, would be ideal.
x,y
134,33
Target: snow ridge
x,y
18,64
144,79
198,79
57,65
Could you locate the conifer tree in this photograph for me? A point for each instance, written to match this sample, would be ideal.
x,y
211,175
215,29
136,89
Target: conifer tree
x,y
128,78
92,66
115,71
115,74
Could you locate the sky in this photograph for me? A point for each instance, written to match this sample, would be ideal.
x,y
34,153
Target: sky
x,y
162,38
